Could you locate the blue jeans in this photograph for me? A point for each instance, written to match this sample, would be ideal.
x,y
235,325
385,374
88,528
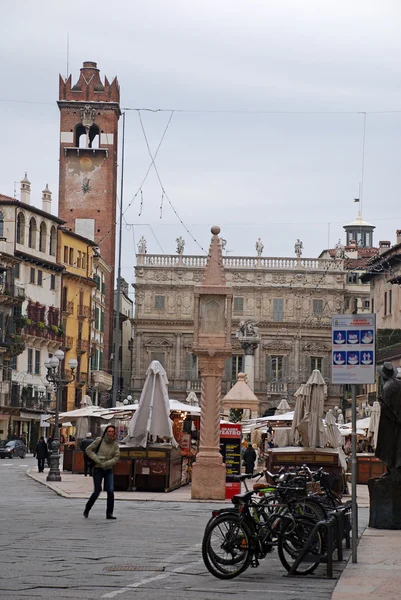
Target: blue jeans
x,y
98,476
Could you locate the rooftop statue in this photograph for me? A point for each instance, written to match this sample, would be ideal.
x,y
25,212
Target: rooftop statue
x,y
180,245
298,248
259,247
142,246
339,249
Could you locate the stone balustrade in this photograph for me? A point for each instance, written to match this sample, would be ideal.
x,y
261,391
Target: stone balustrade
x,y
242,262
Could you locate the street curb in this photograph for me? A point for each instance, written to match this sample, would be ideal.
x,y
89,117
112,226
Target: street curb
x,y
60,492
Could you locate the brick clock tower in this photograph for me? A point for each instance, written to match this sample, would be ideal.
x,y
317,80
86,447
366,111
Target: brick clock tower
x,y
89,113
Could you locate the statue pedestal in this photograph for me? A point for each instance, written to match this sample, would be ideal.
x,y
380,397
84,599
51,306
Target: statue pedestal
x,y
208,479
385,502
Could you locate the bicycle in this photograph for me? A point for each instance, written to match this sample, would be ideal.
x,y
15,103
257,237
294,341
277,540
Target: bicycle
x,y
234,539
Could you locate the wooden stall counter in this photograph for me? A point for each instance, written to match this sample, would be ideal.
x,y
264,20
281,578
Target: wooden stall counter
x,y
369,467
314,458
157,468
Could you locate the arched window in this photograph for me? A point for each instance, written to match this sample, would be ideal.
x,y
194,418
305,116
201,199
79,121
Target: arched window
x,y
42,237
1,225
80,136
20,228
94,137
53,241
32,233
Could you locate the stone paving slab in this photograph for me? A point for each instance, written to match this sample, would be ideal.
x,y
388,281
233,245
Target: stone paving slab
x,y
377,574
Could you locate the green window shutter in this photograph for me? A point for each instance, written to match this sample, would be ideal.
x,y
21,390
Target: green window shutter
x,y
325,367
285,371
228,368
188,365
308,367
104,288
101,361
269,369
97,315
102,322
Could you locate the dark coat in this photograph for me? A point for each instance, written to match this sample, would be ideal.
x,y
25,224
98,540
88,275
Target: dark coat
x,y
388,447
41,450
249,460
85,443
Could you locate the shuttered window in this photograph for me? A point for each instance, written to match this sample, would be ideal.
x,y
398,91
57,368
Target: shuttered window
x,y
278,309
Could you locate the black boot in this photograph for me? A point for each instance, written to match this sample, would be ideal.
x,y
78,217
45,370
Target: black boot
x,y
110,505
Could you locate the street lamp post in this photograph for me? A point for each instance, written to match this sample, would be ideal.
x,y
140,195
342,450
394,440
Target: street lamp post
x,y
59,379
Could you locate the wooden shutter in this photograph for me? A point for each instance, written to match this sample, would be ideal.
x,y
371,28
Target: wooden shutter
x,y
188,365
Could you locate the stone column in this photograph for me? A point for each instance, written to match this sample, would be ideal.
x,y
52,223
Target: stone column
x,y
249,349
209,472
138,350
178,337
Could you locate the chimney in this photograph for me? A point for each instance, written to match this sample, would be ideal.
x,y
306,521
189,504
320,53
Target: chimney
x,y
398,234
384,246
25,190
47,199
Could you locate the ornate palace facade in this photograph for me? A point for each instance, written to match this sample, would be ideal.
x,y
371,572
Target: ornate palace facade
x,y
291,300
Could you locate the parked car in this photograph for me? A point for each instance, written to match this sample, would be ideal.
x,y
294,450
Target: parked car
x,y
13,448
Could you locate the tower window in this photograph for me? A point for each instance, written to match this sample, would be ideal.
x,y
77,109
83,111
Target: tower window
x,y
32,233
1,225
94,137
53,241
20,228
80,137
42,237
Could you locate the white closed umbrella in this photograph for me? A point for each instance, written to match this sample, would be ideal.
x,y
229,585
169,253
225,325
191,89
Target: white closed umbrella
x,y
374,423
300,402
334,438
314,409
152,418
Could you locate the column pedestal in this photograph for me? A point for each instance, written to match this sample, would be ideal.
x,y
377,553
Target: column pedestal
x,y
209,471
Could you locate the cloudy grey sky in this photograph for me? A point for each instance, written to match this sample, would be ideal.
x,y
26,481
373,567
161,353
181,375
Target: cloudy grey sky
x,y
271,145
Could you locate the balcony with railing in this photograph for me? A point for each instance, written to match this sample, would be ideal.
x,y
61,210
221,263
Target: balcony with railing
x,y
68,342
84,312
277,387
68,307
101,380
11,294
82,346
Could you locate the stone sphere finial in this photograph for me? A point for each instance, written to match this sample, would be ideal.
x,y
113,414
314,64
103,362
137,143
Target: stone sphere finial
x,y
215,230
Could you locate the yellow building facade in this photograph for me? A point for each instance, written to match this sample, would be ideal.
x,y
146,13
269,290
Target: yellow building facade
x,y
76,255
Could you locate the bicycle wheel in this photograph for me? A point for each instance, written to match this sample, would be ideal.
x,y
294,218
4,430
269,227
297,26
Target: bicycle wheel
x,y
226,547
311,508
293,538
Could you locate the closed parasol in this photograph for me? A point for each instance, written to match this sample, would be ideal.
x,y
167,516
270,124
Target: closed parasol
x,y
374,423
300,402
311,427
152,419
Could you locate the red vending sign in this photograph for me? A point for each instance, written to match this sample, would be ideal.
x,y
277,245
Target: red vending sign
x,y
230,448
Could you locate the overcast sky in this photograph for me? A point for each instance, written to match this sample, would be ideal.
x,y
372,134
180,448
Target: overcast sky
x,y
257,152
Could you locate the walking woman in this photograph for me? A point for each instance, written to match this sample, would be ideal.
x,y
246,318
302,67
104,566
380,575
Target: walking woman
x,y
105,453
41,453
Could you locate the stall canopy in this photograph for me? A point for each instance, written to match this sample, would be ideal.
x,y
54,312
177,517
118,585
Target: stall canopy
x,y
152,418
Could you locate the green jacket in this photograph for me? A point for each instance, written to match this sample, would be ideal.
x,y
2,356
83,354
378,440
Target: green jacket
x,y
107,455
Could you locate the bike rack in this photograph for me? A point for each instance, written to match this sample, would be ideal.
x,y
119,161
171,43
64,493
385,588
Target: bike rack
x,y
337,527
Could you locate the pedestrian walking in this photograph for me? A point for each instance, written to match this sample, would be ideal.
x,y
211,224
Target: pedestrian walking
x,y
105,453
88,462
41,453
249,460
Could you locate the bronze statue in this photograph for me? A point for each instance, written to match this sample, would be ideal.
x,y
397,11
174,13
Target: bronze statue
x,y
388,448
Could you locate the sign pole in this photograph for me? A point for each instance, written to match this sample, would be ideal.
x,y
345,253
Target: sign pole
x,y
354,479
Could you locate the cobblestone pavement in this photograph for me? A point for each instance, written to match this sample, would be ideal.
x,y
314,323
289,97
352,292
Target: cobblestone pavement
x,y
49,550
